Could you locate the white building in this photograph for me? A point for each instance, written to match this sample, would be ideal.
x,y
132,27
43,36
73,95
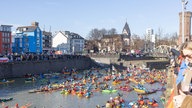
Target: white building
x,y
68,42
149,39
149,33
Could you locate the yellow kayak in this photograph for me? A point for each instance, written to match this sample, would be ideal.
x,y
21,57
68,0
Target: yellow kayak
x,y
115,83
139,90
7,82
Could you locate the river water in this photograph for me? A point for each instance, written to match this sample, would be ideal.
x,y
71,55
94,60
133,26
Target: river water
x,y
19,92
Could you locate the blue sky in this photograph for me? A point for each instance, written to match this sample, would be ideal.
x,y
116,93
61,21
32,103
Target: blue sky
x,y
81,16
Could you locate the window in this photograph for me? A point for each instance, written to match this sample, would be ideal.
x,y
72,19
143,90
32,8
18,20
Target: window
x,y
8,40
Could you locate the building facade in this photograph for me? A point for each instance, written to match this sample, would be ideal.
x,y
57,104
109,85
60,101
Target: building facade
x,y
149,40
68,42
117,42
187,27
28,39
47,41
5,39
149,33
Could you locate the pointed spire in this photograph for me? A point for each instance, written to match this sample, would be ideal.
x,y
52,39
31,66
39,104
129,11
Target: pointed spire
x,y
126,29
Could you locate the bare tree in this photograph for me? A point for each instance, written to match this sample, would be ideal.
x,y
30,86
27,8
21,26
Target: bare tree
x,y
94,34
103,32
112,31
138,42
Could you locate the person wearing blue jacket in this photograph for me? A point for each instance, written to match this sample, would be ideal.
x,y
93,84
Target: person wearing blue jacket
x,y
180,74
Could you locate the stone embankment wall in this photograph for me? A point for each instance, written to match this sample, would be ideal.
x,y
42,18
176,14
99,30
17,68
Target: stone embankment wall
x,y
122,64
20,68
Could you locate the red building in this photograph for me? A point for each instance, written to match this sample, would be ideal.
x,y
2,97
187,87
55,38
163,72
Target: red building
x,y
187,27
5,39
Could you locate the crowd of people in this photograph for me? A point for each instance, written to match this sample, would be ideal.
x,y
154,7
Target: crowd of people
x,y
36,57
183,72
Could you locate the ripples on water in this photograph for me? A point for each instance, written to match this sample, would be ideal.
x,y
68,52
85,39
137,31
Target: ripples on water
x,y
19,92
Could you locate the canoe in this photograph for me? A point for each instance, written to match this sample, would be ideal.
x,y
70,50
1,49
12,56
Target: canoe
x,y
5,100
148,92
29,80
96,90
109,91
62,92
139,90
126,89
80,94
74,92
74,73
115,83
26,106
34,91
7,82
65,92
66,73
145,106
133,80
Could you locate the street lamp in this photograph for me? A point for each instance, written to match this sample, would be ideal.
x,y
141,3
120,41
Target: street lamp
x,y
184,3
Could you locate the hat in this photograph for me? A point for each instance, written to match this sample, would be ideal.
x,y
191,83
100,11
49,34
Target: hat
x,y
97,106
111,98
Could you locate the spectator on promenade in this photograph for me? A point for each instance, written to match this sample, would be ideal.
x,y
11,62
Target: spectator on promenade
x,y
184,78
183,64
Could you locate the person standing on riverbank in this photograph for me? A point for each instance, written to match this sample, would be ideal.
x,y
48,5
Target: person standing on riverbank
x,y
187,68
184,78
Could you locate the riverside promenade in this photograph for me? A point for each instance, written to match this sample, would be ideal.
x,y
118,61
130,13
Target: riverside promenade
x,y
39,66
79,62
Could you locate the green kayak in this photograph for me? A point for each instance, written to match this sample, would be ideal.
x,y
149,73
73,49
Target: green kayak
x,y
5,100
109,91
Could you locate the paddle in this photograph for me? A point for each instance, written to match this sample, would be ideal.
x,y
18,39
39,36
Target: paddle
x,y
120,94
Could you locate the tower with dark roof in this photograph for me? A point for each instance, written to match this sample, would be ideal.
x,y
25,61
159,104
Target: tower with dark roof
x,y
126,31
126,34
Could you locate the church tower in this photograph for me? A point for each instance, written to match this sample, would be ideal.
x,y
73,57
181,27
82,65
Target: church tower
x,y
126,30
126,34
187,27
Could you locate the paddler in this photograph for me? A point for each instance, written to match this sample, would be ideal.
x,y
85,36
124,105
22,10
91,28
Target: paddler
x,y
140,97
16,106
106,86
108,105
84,81
98,106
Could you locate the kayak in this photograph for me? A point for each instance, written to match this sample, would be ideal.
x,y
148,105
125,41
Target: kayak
x,y
29,80
139,90
66,73
109,91
7,82
80,94
115,83
125,89
148,92
65,92
26,106
5,100
34,91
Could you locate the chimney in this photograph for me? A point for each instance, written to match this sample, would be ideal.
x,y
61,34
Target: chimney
x,y
35,24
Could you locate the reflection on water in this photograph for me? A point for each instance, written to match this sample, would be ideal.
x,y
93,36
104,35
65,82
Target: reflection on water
x,y
19,91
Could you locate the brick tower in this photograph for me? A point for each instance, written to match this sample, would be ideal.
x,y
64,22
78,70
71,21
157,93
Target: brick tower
x,y
187,27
